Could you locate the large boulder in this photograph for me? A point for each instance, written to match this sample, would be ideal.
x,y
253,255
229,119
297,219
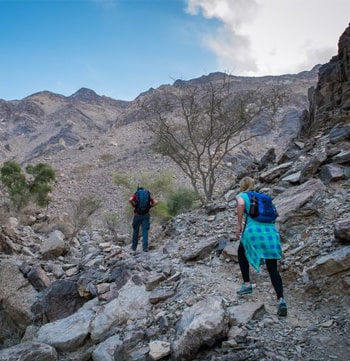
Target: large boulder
x,y
69,333
29,351
203,324
58,301
54,246
298,205
16,298
132,303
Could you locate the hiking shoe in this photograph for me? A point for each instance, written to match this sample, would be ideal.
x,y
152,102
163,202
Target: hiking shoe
x,y
244,290
282,308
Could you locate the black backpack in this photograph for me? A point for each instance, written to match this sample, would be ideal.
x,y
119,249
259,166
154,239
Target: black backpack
x,y
143,201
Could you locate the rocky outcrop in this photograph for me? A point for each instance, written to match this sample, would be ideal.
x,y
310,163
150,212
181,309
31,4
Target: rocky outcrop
x,y
330,99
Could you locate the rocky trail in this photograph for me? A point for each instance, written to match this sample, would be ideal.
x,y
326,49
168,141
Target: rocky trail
x,y
311,331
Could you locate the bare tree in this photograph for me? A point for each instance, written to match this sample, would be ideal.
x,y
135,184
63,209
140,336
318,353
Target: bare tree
x,y
197,125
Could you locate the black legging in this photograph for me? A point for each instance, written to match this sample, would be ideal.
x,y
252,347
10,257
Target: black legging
x,y
271,265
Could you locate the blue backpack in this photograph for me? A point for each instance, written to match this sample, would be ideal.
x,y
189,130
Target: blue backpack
x,y
262,208
143,201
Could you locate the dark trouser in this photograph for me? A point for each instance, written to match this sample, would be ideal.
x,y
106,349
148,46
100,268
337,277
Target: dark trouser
x,y
144,222
271,265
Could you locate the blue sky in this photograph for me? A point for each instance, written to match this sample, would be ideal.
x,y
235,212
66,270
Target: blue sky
x,y
121,48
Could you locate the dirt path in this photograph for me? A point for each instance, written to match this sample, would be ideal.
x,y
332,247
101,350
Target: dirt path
x,y
311,331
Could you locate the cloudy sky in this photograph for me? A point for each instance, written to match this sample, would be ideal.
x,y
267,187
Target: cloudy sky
x,y
121,48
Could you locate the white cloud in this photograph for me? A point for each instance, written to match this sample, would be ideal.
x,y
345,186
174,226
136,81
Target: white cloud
x,y
260,37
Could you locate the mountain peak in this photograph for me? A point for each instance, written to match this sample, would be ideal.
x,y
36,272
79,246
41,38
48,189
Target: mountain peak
x,y
85,95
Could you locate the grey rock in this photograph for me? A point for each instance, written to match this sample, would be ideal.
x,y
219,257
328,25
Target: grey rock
x,y
331,264
132,303
342,230
331,173
105,350
29,351
69,333
200,250
242,314
203,324
60,299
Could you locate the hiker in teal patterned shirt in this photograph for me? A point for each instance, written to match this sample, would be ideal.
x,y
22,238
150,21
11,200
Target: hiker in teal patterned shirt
x,y
259,242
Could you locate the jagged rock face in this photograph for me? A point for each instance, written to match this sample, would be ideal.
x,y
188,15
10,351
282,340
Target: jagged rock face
x,y
330,100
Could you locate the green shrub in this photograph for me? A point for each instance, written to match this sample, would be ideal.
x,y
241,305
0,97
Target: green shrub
x,y
82,169
161,212
122,179
106,157
160,183
34,187
180,200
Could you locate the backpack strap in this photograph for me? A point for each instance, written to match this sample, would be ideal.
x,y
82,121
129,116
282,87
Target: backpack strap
x,y
245,212
249,194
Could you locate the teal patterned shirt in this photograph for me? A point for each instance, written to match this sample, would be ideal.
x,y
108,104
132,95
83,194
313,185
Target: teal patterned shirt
x,y
260,240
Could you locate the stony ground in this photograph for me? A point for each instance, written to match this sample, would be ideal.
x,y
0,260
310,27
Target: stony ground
x,y
312,330
317,325
315,328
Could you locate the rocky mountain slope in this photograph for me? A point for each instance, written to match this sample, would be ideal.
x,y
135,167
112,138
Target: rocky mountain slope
x,y
87,137
89,299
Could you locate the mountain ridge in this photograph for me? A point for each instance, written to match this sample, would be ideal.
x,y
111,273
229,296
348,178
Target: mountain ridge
x,y
77,131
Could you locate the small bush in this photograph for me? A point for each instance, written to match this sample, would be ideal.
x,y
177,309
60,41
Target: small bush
x,y
111,221
106,157
161,183
61,223
83,209
161,211
122,179
180,200
82,169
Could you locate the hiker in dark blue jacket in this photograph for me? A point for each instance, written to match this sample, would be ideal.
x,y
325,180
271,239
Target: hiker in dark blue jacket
x,y
142,202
